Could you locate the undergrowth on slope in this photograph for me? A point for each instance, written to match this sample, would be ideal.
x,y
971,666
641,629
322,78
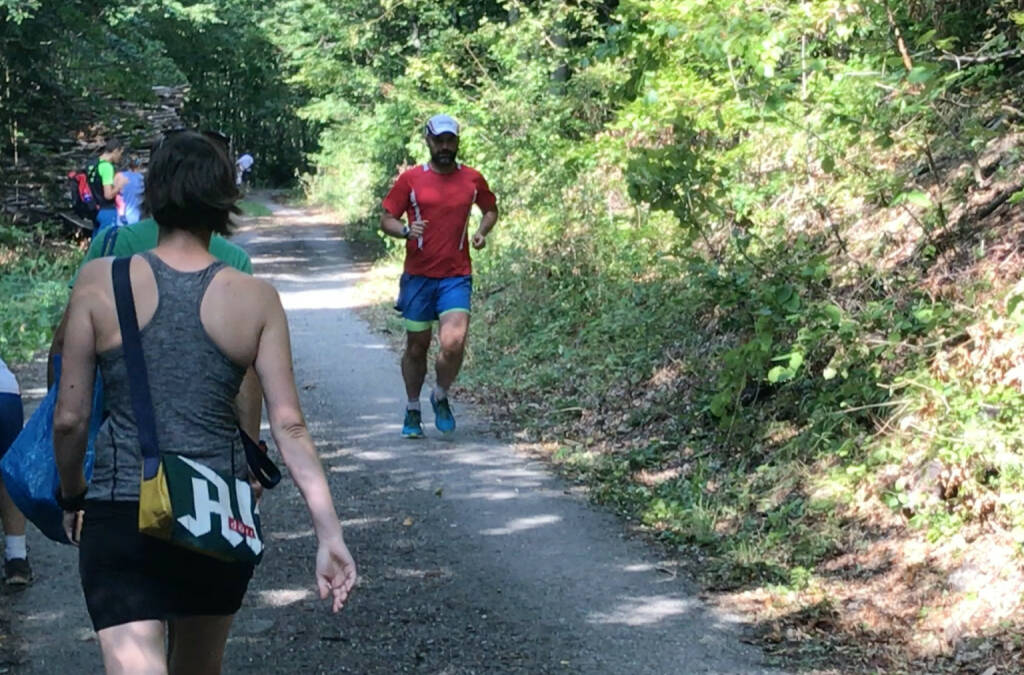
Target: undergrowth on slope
x,y
35,266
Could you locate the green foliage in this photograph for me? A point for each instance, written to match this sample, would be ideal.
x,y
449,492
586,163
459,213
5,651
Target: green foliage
x,y
236,84
34,272
678,182
69,58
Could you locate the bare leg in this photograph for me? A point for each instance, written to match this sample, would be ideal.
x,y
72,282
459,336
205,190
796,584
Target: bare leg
x,y
13,520
452,335
414,362
135,648
197,644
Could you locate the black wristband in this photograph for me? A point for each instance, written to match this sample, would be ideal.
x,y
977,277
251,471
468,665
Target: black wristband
x,y
71,504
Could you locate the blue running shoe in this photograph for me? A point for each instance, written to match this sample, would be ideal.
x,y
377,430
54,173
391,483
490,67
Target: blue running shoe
x,y
444,420
413,426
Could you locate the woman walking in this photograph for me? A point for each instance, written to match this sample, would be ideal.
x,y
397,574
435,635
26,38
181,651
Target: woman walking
x,y
201,324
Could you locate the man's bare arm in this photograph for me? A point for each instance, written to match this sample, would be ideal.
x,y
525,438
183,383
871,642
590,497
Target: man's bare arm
x,y
487,222
396,228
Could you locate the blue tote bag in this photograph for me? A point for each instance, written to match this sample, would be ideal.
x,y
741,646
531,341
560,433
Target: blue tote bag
x,y
29,467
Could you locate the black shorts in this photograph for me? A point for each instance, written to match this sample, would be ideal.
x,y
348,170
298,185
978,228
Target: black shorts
x,y
128,576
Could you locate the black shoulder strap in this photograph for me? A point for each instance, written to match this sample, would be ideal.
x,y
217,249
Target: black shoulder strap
x,y
262,467
138,376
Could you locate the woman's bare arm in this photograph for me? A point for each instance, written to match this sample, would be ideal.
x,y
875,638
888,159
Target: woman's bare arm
x,y
336,571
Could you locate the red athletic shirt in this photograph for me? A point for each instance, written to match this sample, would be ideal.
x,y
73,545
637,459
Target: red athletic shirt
x,y
445,201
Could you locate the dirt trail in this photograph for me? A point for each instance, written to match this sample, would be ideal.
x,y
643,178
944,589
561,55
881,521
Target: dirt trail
x,y
473,558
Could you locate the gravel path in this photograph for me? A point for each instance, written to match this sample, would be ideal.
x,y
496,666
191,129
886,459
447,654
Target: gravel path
x,y
473,558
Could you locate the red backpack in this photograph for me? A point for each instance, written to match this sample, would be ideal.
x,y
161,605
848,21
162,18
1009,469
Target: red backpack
x,y
82,201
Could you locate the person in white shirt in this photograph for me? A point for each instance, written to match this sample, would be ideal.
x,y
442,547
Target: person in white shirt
x,y
243,166
17,571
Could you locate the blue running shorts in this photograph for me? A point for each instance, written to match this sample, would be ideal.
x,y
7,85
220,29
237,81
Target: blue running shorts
x,y
422,300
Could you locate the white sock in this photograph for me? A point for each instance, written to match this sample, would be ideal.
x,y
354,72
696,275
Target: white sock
x,y
14,547
413,405
439,393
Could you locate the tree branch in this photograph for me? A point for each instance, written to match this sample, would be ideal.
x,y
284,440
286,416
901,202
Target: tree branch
x,y
982,58
900,44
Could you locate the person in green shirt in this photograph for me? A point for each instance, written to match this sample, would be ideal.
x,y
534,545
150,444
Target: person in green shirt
x,y
142,236
105,185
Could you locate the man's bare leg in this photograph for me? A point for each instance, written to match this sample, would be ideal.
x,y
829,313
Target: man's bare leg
x,y
414,362
452,335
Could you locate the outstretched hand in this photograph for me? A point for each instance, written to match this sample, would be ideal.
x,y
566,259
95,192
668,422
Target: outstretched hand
x,y
335,572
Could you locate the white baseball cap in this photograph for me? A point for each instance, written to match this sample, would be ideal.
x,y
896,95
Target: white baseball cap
x,y
442,124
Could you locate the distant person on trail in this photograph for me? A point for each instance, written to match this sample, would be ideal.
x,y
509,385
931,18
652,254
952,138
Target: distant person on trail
x,y
17,571
205,323
133,184
438,198
243,167
105,184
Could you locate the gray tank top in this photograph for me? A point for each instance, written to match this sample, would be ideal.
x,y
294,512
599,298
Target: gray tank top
x,y
192,383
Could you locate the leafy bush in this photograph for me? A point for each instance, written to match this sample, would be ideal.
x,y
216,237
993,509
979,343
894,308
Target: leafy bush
x,y
34,274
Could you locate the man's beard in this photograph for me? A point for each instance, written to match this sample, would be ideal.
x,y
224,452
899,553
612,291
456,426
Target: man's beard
x,y
443,158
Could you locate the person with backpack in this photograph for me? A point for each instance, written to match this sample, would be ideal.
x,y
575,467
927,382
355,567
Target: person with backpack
x,y
105,184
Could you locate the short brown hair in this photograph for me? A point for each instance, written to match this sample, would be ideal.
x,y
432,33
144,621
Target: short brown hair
x,y
190,184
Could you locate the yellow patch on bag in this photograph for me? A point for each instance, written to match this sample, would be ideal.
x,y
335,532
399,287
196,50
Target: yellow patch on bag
x,y
156,517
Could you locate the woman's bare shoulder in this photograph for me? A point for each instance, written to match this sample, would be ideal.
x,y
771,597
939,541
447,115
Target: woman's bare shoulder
x,y
246,288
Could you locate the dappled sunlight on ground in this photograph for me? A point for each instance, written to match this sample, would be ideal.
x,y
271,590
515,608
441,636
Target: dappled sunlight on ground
x,y
644,611
321,299
289,536
491,495
521,524
377,455
283,597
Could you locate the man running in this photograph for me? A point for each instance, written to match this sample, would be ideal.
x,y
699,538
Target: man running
x,y
438,198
